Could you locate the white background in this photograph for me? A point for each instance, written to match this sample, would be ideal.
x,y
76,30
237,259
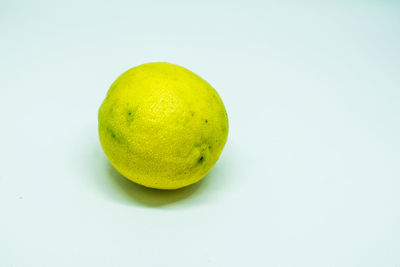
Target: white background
x,y
310,175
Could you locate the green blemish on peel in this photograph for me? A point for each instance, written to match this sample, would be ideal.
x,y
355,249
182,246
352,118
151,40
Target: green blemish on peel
x,y
130,115
113,135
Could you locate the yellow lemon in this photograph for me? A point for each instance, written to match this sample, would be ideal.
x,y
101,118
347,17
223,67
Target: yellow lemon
x,y
162,126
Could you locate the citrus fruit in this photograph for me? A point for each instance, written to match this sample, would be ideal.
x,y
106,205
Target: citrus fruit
x,y
162,126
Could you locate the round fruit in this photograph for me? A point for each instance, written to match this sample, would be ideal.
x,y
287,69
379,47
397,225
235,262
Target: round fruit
x,y
162,126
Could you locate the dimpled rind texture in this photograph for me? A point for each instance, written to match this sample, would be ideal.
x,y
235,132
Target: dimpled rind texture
x,y
162,126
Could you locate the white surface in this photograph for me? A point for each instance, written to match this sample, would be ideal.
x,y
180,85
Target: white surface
x,y
310,175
